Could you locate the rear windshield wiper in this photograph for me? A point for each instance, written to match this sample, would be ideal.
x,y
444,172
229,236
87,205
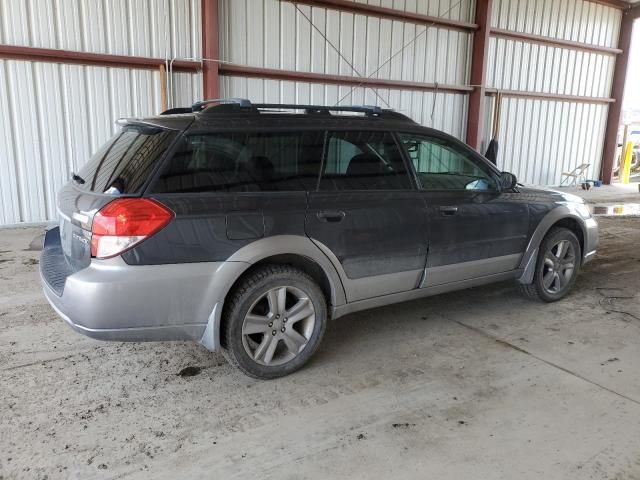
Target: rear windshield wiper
x,y
77,178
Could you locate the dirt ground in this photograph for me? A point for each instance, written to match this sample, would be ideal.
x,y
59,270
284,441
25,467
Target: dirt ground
x,y
475,384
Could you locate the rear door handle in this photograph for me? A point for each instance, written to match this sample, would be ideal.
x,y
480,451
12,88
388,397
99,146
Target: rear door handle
x,y
448,211
332,216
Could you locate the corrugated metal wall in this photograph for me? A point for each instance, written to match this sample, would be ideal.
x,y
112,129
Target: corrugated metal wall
x,y
538,138
144,28
575,20
448,113
274,34
53,117
451,9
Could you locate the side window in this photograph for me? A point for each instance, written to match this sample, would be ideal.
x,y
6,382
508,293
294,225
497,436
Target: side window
x,y
442,166
244,162
363,161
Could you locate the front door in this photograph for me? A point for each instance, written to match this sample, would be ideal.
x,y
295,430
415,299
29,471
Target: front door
x,y
474,229
367,216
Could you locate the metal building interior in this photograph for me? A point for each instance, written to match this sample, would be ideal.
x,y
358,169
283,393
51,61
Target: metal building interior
x,y
473,384
555,71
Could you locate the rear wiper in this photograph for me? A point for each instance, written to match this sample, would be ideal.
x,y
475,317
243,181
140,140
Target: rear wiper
x,y
77,178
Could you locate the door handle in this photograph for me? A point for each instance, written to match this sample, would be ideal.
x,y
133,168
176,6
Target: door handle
x,y
332,216
448,211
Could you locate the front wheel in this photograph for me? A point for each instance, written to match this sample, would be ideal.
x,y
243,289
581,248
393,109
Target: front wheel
x,y
274,322
557,266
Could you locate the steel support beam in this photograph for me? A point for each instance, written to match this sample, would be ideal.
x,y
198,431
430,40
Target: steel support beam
x,y
390,13
556,42
230,69
556,97
610,148
619,4
210,49
51,55
480,53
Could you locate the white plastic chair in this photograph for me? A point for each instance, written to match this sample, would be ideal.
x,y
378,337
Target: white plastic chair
x,y
578,175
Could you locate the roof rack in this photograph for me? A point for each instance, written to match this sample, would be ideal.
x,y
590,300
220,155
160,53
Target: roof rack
x,y
245,104
176,111
241,102
366,109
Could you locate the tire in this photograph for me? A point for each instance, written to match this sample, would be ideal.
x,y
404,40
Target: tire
x,y
557,270
274,323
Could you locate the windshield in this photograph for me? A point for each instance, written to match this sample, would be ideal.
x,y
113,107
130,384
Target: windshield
x,y
125,162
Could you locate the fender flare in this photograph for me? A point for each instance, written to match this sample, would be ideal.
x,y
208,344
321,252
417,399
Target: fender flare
x,y
528,262
255,252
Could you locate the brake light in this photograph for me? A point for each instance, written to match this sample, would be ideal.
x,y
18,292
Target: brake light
x,y
124,223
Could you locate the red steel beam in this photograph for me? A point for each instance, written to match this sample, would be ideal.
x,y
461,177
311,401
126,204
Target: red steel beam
x,y
480,53
527,37
52,55
550,96
364,82
390,13
619,4
230,69
210,49
614,116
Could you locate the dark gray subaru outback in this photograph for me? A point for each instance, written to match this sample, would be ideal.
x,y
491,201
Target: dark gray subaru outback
x,y
246,227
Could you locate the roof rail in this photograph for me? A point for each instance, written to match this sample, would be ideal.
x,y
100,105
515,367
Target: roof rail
x,y
178,110
366,109
241,102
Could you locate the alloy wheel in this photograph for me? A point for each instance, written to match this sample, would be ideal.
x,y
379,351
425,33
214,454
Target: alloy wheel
x,y
278,326
558,267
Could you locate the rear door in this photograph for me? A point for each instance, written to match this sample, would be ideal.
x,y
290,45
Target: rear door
x,y
229,189
367,215
475,230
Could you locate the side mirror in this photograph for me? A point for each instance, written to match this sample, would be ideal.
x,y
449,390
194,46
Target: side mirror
x,y
412,146
508,181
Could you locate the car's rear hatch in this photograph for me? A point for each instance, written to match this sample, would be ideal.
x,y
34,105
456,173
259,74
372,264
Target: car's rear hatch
x,y
121,168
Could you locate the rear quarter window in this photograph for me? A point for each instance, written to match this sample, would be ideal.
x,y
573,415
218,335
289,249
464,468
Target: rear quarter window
x,y
243,162
124,163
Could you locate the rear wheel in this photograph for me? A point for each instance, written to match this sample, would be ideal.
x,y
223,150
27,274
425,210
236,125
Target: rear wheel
x,y
274,323
557,266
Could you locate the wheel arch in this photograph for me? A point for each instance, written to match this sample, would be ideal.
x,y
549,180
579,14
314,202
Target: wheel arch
x,y
572,224
561,216
297,251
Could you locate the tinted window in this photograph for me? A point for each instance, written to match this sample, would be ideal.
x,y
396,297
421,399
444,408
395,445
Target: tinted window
x,y
363,161
124,164
244,162
443,166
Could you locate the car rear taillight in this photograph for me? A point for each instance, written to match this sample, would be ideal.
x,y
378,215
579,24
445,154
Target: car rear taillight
x,y
125,222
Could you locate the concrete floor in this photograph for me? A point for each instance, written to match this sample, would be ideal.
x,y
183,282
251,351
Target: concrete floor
x,y
478,384
615,193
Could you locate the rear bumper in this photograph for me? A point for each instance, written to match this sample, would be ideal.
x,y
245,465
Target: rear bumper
x,y
132,334
110,300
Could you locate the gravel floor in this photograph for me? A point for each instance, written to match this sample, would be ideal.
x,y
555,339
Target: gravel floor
x,y
474,384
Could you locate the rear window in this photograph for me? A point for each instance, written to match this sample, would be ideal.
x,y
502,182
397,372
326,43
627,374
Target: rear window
x,y
243,162
125,162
